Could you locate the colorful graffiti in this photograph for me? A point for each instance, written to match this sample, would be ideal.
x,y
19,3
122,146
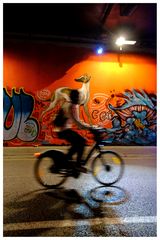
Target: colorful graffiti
x,y
129,116
63,94
17,120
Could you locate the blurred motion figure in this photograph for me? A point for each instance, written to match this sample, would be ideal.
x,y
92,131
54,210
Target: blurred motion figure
x,y
66,117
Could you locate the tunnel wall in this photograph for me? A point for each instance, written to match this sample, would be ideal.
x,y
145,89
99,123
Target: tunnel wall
x,y
122,92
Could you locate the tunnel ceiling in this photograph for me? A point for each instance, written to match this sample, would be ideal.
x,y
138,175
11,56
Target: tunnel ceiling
x,y
79,23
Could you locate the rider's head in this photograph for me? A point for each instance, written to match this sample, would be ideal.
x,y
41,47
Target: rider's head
x,y
74,96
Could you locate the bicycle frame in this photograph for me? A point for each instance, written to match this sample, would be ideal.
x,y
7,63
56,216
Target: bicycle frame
x,y
95,154
95,146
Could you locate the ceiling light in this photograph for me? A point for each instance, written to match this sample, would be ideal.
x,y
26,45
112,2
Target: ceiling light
x,y
99,50
122,41
130,42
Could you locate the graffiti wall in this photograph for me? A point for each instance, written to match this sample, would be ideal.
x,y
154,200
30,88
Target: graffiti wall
x,y
130,117
119,97
19,125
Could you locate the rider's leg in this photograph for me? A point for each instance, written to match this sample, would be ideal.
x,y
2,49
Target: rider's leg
x,y
70,137
77,142
81,142
78,145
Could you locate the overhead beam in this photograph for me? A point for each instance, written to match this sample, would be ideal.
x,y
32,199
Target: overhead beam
x,y
106,12
127,9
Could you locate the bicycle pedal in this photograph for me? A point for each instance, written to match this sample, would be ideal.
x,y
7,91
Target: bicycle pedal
x,y
76,174
81,169
53,169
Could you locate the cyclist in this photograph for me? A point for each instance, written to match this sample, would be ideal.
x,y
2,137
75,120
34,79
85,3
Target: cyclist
x,y
68,115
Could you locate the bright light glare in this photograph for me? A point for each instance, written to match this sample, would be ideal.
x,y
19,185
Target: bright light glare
x,y
100,50
130,42
121,41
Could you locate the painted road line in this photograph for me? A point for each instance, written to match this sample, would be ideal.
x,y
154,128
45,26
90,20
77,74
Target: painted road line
x,y
73,223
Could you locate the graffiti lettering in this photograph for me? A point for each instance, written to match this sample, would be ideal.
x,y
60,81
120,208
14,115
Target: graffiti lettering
x,y
101,115
22,126
95,114
105,115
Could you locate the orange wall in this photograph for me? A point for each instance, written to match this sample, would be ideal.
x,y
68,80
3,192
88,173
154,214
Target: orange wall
x,y
39,66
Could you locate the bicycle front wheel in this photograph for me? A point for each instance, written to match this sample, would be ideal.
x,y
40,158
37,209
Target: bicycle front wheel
x,y
47,177
108,167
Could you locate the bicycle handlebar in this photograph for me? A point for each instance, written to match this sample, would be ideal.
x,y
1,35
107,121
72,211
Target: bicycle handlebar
x,y
104,134
98,133
101,130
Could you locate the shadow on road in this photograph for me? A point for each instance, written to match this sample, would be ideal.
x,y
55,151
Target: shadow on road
x,y
59,204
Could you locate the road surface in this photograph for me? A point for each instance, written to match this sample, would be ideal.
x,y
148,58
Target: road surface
x,y
82,207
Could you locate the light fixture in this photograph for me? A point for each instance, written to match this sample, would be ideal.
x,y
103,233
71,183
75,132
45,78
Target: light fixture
x,y
99,50
122,41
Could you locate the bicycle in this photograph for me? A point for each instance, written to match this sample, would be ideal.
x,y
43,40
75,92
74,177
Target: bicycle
x,y
107,166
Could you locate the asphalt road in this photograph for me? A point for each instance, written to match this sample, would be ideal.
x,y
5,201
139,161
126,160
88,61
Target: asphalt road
x,y
82,207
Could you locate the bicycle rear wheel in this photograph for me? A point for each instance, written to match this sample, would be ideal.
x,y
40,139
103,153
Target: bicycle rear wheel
x,y
108,168
44,175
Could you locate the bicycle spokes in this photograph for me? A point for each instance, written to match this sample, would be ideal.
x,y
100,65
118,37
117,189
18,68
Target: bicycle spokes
x,y
108,167
116,160
45,175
